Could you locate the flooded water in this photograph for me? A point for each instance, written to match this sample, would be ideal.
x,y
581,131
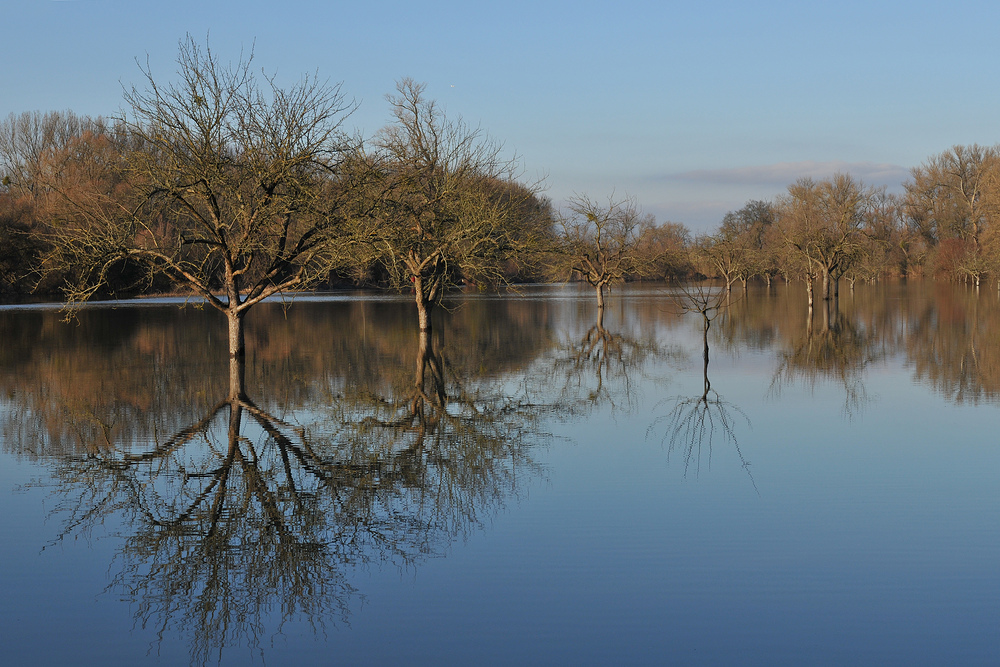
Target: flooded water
x,y
528,485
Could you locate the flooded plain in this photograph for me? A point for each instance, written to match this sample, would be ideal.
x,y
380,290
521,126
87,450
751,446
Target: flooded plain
x,y
529,484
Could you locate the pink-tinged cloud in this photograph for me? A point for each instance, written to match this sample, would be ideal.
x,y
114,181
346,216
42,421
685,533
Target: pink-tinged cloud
x,y
784,173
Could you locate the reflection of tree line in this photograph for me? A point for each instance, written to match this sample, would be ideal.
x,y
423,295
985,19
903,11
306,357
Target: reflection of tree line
x,y
138,371
258,487
941,330
835,348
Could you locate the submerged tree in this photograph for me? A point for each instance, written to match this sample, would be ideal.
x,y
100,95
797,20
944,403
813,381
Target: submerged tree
x,y
601,242
230,182
446,206
823,226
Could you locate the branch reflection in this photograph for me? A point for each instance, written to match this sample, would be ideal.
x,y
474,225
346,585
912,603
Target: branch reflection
x,y
598,368
840,350
246,519
694,423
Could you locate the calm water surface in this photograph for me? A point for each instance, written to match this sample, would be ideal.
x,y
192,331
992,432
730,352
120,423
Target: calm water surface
x,y
525,487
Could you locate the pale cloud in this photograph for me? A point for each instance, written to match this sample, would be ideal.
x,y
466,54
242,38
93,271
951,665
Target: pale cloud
x,y
782,174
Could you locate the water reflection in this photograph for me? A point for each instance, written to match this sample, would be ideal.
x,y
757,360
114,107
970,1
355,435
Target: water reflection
x,y
223,524
598,367
951,343
241,516
695,422
355,442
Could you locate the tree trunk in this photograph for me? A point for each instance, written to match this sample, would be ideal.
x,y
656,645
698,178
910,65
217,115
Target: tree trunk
x,y
809,291
428,362
424,305
708,323
600,296
419,378
235,420
237,343
237,356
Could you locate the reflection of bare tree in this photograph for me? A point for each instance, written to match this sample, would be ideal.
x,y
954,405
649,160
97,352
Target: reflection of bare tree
x,y
245,520
223,523
840,351
694,422
456,441
599,366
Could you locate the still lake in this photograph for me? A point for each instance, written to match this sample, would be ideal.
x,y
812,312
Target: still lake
x,y
526,487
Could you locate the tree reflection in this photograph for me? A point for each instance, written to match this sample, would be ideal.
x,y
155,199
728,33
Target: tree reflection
x,y
694,423
950,343
246,519
598,368
840,350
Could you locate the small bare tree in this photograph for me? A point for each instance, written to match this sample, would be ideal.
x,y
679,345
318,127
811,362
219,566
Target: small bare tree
x,y
601,242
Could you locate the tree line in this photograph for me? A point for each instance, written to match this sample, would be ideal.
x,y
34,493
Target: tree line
x,y
225,184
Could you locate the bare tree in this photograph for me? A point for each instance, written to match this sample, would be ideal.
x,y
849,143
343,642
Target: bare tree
x,y
446,204
823,222
230,176
601,242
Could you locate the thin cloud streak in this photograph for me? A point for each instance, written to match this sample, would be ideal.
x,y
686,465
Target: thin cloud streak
x,y
782,174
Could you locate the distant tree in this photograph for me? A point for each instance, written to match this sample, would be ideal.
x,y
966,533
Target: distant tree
x,y
34,148
822,223
28,139
666,249
19,249
740,250
723,255
601,242
228,180
752,225
954,197
881,250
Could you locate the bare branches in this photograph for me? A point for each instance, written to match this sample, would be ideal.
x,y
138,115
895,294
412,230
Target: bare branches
x,y
601,242
446,206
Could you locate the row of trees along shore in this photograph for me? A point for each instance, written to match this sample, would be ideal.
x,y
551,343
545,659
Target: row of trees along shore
x,y
224,184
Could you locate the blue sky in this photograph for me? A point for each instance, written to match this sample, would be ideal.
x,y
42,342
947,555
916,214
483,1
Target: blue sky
x,y
692,108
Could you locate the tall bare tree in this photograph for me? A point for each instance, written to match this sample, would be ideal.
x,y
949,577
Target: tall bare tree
x,y
230,175
446,203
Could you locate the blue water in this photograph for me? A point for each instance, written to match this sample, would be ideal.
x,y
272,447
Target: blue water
x,y
837,521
